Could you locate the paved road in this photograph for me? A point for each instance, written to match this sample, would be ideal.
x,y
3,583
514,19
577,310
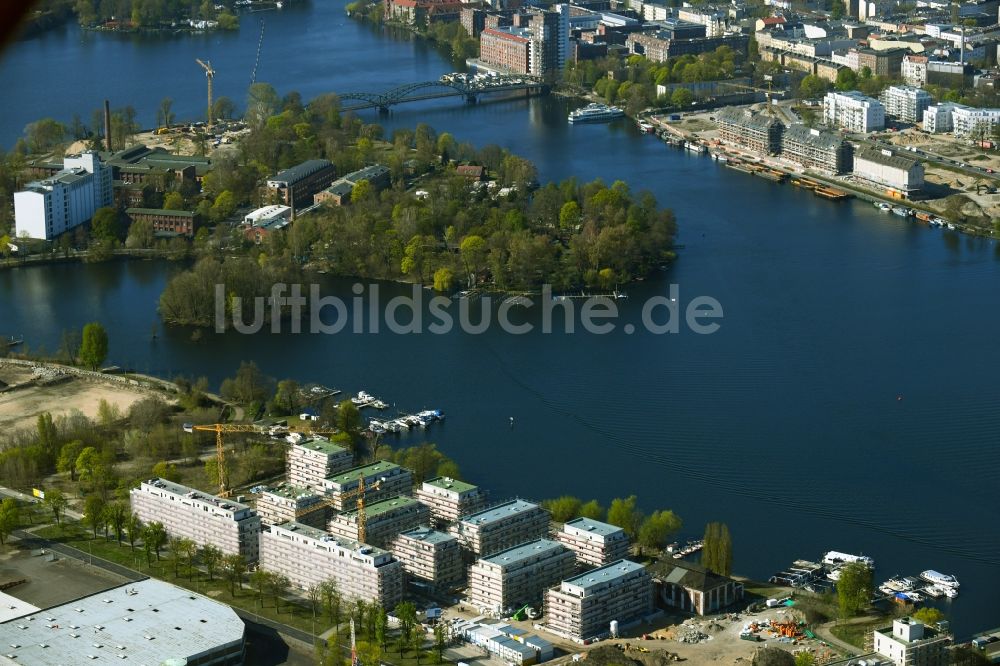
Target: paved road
x,y
28,499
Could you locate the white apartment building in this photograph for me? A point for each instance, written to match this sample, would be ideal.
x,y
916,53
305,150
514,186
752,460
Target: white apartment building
x,y
583,607
511,578
502,526
383,520
914,69
960,119
714,20
908,642
594,543
285,503
382,480
907,103
431,558
902,175
853,112
52,206
450,499
231,527
309,556
312,461
968,121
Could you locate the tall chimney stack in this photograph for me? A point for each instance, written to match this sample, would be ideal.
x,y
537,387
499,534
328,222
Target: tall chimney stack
x,y
107,125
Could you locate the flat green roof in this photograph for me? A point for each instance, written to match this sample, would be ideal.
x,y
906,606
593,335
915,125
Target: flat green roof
x,y
291,492
160,211
364,471
384,506
448,483
322,444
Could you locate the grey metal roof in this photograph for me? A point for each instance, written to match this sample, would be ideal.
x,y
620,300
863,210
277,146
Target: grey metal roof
x,y
368,173
149,621
524,551
607,573
746,118
594,526
879,157
428,535
818,138
499,512
299,171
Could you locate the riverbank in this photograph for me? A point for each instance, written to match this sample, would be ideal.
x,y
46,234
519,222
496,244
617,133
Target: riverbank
x,y
700,128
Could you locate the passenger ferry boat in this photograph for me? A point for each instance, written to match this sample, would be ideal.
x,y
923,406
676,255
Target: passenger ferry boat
x,y
595,113
939,579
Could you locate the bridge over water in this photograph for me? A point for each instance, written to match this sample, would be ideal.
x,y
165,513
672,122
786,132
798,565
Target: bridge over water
x,y
471,89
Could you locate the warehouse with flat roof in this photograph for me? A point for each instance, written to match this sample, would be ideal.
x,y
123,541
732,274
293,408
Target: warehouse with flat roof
x,y
146,622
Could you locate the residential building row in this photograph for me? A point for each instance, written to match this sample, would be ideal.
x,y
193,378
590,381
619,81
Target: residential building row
x,y
534,43
310,462
594,543
853,112
450,499
960,119
583,606
232,527
432,559
384,520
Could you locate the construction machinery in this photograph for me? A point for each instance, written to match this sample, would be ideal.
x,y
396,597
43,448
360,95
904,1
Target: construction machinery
x,y
210,75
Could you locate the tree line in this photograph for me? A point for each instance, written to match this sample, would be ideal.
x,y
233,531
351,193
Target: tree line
x,y
155,13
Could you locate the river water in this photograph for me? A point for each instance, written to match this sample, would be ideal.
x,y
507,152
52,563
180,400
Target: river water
x,y
847,402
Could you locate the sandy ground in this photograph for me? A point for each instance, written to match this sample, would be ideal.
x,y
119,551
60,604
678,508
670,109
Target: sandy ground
x,y
20,408
52,583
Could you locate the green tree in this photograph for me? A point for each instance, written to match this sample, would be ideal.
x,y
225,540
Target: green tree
x,y
717,549
854,588
173,201
443,279
116,514
813,86
224,206
90,466
406,613
93,512
929,615
569,215
223,108
682,97
259,579
803,658
563,508
439,641
286,398
233,567
276,585
56,502
333,604
381,626
349,422
624,514
657,529
9,518
94,347
592,510
66,463
846,78
363,191
165,114
45,135
211,557
167,471
837,10
104,225
133,529
153,537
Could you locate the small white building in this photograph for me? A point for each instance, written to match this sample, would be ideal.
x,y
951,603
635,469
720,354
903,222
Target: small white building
x,y
52,206
908,641
853,112
268,215
960,119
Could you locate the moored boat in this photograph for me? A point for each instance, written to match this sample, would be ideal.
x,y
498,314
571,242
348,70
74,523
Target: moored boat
x,y
940,579
595,113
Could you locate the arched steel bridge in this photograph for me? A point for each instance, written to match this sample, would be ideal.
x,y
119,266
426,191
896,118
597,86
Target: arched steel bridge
x,y
415,92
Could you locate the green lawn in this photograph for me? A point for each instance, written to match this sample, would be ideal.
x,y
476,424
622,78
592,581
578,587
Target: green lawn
x,y
855,633
292,614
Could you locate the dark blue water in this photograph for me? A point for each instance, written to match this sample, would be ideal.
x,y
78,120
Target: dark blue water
x,y
848,401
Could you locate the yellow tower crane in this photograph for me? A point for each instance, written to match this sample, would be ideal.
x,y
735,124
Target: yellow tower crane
x,y
358,492
220,451
210,75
